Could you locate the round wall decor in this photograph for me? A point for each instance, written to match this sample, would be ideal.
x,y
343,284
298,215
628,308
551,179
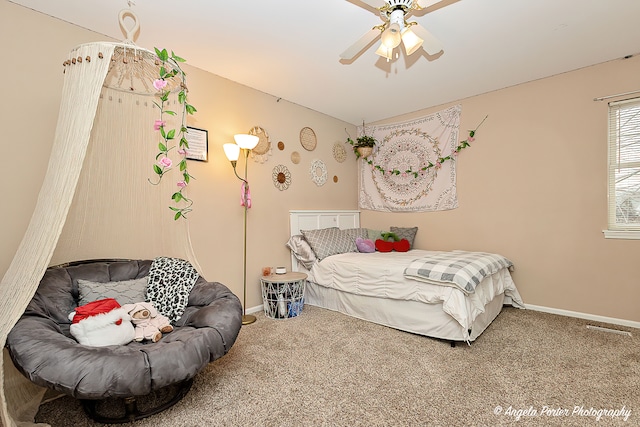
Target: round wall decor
x,y
295,157
318,172
339,153
308,139
262,151
281,177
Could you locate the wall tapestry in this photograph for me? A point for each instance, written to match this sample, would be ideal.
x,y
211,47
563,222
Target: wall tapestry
x,y
410,146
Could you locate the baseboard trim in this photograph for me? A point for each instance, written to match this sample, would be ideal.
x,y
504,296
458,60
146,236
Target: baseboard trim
x,y
255,309
595,318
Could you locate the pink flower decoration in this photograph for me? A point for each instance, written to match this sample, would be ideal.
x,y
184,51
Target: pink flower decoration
x,y
404,174
438,165
165,162
182,152
181,184
159,84
455,153
242,195
158,124
470,139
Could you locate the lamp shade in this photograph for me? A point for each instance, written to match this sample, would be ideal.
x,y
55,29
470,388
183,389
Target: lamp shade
x,y
411,41
391,36
232,151
385,52
248,142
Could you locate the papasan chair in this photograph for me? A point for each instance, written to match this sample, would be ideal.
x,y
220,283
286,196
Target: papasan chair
x,y
112,381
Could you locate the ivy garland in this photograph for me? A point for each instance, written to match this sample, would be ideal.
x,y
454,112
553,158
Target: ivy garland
x,y
438,164
167,136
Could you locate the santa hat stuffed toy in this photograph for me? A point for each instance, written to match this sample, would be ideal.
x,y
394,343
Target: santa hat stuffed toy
x,y
101,323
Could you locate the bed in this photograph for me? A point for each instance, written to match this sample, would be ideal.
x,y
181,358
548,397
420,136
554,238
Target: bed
x,y
378,286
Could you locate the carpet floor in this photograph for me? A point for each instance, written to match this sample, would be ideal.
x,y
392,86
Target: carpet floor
x,y
326,369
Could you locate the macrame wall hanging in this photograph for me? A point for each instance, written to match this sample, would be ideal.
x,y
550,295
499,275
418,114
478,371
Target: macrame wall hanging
x,y
96,200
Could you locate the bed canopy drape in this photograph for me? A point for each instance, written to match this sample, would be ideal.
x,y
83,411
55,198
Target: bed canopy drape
x,y
96,200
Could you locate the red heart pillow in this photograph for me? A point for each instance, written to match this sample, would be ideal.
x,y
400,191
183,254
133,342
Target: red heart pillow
x,y
401,246
382,246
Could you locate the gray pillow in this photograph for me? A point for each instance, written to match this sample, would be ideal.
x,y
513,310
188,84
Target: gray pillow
x,y
302,250
405,233
374,235
125,292
363,233
329,241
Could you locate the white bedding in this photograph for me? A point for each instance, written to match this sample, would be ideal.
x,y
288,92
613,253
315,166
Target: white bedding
x,y
380,275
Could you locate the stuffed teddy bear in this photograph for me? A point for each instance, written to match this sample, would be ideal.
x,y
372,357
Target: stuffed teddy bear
x,y
148,323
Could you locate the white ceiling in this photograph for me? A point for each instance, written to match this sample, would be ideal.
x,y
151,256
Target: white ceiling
x,y
290,48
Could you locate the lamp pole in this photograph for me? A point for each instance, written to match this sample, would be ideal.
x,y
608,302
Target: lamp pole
x,y
246,318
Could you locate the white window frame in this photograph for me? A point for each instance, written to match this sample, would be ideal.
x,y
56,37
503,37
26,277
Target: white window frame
x,y
617,230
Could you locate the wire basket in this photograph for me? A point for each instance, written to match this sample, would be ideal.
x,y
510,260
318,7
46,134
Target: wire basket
x,y
282,299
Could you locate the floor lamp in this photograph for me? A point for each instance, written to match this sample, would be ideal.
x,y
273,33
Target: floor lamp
x,y
246,143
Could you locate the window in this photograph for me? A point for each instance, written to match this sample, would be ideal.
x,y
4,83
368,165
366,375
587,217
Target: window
x,y
624,169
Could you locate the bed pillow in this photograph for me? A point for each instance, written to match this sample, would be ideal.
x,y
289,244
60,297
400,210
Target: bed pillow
x,y
363,233
125,292
375,234
405,233
329,241
302,251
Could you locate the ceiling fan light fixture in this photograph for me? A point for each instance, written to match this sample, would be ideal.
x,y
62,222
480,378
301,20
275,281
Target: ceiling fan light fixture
x,y
385,52
411,41
391,37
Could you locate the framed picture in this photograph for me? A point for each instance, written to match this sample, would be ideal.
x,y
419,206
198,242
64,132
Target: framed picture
x,y
198,140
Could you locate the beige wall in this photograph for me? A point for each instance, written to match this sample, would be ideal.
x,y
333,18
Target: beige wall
x,y
37,46
532,186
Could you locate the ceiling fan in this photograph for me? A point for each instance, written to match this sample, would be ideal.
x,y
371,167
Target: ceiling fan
x,y
396,29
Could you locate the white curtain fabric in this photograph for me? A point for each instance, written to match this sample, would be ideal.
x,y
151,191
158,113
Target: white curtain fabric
x,y
411,146
96,206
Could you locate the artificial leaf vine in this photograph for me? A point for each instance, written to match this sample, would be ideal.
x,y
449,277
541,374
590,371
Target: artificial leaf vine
x,y
169,70
438,163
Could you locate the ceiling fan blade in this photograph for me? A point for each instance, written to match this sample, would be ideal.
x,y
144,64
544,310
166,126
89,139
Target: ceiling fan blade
x,y
426,3
363,42
375,3
431,44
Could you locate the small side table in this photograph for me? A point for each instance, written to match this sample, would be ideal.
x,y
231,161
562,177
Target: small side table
x,y
283,294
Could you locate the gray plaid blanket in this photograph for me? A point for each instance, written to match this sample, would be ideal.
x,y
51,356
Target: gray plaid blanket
x,y
463,270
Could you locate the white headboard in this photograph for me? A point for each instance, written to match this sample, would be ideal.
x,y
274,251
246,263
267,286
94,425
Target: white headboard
x,y
314,220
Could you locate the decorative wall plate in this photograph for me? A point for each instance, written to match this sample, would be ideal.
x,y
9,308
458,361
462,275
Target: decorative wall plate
x,y
318,172
308,139
262,151
295,157
281,177
339,153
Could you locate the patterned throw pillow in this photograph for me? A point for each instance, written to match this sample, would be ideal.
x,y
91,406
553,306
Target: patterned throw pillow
x,y
125,292
405,233
329,241
363,233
